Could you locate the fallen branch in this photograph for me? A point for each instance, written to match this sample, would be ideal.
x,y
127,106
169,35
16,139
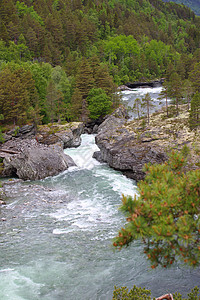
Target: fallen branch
x,y
166,296
9,151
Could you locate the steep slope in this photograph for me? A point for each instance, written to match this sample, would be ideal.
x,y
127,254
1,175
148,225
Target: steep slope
x,y
193,4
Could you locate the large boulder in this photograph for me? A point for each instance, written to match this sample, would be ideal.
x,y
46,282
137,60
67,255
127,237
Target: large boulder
x,y
121,148
34,161
68,135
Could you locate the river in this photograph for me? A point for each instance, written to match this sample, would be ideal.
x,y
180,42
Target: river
x,y
56,237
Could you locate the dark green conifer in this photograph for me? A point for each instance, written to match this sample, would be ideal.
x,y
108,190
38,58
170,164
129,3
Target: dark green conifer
x,y
194,119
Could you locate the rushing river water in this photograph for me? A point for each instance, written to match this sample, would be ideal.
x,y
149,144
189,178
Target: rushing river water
x,y
56,237
129,97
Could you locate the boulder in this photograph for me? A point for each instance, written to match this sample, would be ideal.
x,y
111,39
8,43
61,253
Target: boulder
x,y
121,148
68,135
34,161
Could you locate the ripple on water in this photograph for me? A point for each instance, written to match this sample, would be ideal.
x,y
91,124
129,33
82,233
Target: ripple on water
x,y
56,242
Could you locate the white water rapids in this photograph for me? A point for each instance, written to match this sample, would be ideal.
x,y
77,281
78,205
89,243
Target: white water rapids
x,y
56,237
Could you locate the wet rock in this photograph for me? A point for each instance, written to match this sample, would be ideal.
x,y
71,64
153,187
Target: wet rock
x,y
97,156
35,161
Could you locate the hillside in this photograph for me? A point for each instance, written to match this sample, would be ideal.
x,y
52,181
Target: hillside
x,y
62,59
193,4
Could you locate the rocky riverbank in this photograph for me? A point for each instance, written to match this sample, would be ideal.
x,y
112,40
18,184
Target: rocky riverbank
x,y
32,155
128,145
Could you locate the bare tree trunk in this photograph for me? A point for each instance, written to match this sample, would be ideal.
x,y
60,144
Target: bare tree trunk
x,y
166,106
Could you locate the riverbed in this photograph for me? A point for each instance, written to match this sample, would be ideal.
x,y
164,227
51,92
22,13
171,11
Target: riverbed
x,y
56,237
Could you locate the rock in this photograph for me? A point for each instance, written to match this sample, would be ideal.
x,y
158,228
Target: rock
x,y
95,129
97,156
23,132
27,129
122,150
68,135
35,161
153,83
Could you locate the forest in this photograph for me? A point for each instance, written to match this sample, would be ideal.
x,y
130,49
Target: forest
x,y
193,4
63,60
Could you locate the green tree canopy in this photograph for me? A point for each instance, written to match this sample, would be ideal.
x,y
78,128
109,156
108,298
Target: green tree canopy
x,y
165,215
194,119
99,103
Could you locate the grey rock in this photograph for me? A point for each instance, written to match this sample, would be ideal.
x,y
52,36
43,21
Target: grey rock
x,y
97,156
122,150
68,135
35,161
26,129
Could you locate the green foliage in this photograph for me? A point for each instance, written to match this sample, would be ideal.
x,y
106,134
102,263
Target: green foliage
x,y
194,119
1,137
165,216
13,52
175,89
99,103
23,9
137,107
195,77
147,103
138,293
96,43
193,4
14,97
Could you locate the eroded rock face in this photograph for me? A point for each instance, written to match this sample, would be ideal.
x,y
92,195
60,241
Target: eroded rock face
x,y
34,161
122,149
68,135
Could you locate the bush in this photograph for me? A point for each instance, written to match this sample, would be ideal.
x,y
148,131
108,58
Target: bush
x,y
138,293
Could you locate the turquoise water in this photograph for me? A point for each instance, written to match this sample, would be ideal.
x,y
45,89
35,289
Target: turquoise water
x,y
56,237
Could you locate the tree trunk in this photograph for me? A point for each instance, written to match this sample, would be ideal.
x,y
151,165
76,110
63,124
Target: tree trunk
x,y
166,106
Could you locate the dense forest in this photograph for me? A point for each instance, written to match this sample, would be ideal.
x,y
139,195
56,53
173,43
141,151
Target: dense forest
x,y
63,59
193,4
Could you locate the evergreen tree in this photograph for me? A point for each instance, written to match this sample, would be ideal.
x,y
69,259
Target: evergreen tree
x,y
164,94
188,90
84,78
194,77
147,103
103,80
137,107
194,119
53,102
175,89
14,98
165,215
76,105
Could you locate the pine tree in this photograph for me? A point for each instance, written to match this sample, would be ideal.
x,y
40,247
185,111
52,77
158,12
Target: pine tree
x,y
195,77
188,90
194,119
103,79
164,217
14,98
175,89
147,103
76,105
164,94
137,107
53,102
84,79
